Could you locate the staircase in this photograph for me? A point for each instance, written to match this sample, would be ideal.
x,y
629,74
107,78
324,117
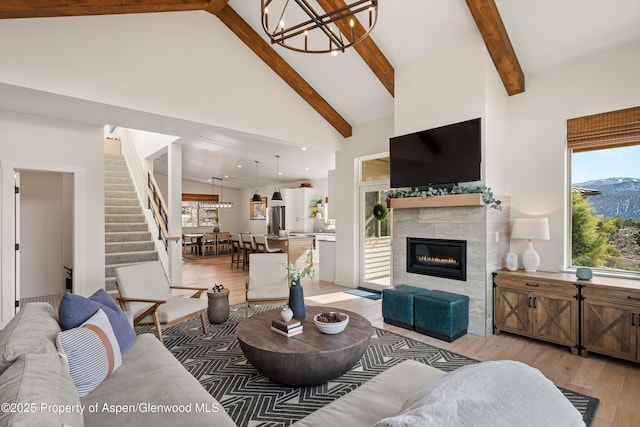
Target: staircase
x,y
127,236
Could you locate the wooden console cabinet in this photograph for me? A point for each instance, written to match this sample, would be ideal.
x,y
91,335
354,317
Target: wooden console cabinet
x,y
601,315
610,321
537,305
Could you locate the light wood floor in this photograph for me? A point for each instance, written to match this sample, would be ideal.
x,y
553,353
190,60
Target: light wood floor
x,y
615,382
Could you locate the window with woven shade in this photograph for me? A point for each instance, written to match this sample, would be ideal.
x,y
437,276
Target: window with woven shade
x,y
607,130
605,191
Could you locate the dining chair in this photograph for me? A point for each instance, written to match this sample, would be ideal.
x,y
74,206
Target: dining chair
x,y
222,243
268,280
146,292
187,244
208,241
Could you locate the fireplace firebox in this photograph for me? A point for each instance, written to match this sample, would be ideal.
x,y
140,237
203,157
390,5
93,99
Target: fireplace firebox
x,y
437,257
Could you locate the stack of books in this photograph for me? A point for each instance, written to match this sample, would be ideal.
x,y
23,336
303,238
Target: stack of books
x,y
288,329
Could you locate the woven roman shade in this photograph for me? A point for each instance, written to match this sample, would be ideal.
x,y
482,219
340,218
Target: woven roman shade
x,y
606,130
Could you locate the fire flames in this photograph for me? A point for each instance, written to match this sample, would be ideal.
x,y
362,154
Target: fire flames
x,y
438,260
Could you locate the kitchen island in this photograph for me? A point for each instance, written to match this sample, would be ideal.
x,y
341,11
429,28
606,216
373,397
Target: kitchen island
x,y
296,247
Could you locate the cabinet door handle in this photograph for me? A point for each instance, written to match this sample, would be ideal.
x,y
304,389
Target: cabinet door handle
x,y
535,285
633,319
534,302
633,298
529,301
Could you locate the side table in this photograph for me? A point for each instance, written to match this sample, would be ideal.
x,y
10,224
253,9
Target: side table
x,y
218,310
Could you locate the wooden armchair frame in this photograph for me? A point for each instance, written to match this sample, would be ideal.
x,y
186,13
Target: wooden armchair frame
x,y
153,310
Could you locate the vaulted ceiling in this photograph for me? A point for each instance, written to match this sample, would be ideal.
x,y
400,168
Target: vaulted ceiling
x,y
485,14
521,36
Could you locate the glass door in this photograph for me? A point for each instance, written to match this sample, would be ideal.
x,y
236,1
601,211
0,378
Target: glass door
x,y
375,239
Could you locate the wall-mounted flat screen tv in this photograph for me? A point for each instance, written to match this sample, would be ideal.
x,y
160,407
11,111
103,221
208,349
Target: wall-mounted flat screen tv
x,y
443,155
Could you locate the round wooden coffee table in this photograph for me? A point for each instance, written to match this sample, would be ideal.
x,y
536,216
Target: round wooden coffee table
x,y
308,358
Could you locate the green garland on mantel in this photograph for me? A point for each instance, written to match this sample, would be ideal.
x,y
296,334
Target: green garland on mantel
x,y
487,194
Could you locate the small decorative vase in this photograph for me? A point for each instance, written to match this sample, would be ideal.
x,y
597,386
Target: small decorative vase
x,y
216,229
296,300
286,314
584,273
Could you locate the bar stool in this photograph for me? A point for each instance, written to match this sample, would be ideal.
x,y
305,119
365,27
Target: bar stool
x,y
237,250
249,247
262,245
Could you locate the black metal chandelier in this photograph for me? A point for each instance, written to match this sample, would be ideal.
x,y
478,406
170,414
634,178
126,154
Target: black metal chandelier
x,y
304,29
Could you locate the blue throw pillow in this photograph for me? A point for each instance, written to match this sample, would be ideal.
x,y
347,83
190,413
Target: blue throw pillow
x,y
74,310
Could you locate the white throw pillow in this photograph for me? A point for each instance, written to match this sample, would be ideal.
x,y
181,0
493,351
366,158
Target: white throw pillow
x,y
499,393
92,352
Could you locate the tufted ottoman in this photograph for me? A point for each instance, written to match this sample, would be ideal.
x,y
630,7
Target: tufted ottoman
x,y
442,315
397,305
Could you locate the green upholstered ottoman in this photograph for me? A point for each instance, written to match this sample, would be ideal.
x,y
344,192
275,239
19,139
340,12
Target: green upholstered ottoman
x,y
397,305
443,315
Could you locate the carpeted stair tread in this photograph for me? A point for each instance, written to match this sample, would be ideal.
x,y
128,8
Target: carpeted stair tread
x,y
123,226
118,247
127,236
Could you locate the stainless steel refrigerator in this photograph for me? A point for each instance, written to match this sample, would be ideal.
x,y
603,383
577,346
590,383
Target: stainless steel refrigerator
x,y
276,219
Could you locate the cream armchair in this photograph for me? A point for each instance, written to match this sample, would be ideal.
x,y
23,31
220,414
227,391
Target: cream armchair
x,y
268,280
145,292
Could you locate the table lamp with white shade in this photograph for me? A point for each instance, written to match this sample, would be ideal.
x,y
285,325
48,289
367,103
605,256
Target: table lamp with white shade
x,y
531,229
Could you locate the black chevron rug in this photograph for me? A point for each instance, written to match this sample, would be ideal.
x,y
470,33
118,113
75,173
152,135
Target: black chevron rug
x,y
217,361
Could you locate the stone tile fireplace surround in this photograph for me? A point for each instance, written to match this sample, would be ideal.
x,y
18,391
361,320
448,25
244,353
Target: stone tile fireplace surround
x,y
486,232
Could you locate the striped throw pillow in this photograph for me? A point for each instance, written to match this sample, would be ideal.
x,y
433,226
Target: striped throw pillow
x,y
92,352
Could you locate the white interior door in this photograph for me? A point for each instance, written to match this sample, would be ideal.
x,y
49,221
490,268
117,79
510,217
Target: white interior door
x,y
16,269
375,240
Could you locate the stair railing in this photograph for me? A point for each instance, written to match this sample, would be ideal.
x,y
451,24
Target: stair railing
x,y
155,201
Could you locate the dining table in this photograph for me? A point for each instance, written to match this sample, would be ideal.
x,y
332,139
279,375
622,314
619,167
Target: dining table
x,y
197,239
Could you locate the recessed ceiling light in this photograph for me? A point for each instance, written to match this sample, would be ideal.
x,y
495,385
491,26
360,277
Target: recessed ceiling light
x,y
226,176
306,169
239,166
279,173
304,148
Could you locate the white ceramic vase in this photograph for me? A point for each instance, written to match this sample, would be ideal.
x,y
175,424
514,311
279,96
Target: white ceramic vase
x,y
286,314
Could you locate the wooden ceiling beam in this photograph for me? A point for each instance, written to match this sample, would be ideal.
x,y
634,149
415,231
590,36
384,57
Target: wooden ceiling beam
x,y
53,8
367,48
260,47
494,34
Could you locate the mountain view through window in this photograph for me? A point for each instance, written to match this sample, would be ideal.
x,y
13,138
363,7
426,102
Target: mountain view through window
x,y
605,193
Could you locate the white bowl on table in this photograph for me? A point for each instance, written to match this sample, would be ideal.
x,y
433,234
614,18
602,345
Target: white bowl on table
x,y
331,328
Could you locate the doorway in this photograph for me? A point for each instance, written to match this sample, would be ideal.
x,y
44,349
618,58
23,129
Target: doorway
x,y
375,233
44,234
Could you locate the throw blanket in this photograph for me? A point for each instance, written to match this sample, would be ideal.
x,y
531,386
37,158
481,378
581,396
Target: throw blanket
x,y
501,393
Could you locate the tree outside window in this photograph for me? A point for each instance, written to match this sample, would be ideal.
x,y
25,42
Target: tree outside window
x,y
605,215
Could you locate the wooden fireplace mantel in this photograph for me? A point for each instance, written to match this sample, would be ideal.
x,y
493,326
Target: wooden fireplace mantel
x,y
453,200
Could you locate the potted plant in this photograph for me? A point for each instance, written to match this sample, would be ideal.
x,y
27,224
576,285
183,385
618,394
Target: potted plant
x,y
216,223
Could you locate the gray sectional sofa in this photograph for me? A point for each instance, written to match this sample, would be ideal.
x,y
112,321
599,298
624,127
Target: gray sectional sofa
x,y
151,387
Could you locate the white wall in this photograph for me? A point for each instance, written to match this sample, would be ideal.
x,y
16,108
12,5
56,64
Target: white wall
x,y
445,87
40,144
186,65
368,139
537,176
43,235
